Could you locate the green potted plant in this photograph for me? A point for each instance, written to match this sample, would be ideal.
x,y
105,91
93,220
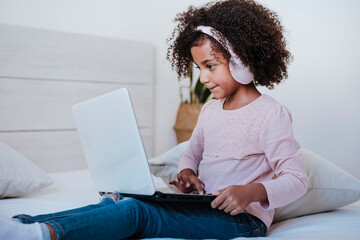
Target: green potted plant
x,y
189,109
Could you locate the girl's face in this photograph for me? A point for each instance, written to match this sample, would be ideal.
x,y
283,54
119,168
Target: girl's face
x,y
214,71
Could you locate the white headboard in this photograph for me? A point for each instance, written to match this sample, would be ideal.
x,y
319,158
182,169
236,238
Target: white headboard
x,y
43,73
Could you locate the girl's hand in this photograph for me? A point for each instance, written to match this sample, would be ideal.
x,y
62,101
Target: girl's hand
x,y
234,199
188,182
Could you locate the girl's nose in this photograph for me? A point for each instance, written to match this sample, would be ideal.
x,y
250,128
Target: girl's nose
x,y
204,78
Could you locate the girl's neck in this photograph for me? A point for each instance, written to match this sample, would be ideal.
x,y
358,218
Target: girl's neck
x,y
243,96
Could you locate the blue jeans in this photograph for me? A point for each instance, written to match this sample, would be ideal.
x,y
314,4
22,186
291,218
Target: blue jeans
x,y
139,219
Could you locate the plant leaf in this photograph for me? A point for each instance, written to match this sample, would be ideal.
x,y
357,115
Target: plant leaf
x,y
206,95
198,90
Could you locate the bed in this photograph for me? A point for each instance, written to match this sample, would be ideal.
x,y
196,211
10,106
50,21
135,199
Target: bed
x,y
43,73
342,223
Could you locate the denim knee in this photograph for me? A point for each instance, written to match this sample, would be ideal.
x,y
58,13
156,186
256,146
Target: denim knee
x,y
23,218
108,196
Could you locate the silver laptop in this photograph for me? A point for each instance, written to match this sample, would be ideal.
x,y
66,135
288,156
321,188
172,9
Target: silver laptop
x,y
114,150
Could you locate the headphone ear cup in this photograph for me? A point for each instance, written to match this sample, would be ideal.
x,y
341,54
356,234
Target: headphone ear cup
x,y
240,72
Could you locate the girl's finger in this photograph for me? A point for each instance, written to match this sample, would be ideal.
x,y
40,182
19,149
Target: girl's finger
x,y
218,192
236,211
198,184
181,178
225,204
218,200
229,207
175,183
178,176
187,181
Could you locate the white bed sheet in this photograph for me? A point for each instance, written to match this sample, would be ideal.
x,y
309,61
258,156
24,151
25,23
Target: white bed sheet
x,y
71,189
75,189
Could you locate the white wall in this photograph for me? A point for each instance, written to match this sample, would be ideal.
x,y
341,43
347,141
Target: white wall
x,y
324,78
321,91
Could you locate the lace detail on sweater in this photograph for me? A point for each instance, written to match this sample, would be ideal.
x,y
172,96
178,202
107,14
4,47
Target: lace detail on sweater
x,y
240,132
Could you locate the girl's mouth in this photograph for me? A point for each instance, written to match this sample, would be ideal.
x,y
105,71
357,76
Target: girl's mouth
x,y
212,88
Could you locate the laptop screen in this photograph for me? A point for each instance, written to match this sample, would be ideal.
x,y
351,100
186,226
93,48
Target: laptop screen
x,y
112,144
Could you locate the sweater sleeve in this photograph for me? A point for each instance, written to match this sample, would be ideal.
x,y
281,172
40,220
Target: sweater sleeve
x,y
283,154
192,155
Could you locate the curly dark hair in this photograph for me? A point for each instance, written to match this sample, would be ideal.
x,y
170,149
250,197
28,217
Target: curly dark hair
x,y
254,32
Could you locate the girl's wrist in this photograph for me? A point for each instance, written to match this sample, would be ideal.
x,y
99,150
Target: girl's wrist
x,y
259,193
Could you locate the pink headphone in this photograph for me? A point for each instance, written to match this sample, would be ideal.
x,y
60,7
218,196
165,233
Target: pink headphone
x,y
238,70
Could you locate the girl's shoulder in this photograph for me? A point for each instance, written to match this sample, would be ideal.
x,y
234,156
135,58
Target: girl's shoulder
x,y
269,103
275,109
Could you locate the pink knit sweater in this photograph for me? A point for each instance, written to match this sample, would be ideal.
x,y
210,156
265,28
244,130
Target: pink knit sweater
x,y
248,145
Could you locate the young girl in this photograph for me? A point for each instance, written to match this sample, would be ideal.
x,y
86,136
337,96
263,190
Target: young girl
x,y
241,140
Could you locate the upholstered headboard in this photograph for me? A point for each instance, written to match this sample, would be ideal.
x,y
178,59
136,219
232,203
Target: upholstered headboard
x,y
43,73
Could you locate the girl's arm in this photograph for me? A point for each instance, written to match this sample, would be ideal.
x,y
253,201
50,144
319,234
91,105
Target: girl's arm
x,y
190,159
187,180
283,154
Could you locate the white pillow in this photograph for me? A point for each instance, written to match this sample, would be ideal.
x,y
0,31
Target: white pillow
x,y
165,165
18,175
329,186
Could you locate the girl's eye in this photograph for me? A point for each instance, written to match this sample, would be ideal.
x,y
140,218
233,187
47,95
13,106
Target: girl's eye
x,y
211,67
